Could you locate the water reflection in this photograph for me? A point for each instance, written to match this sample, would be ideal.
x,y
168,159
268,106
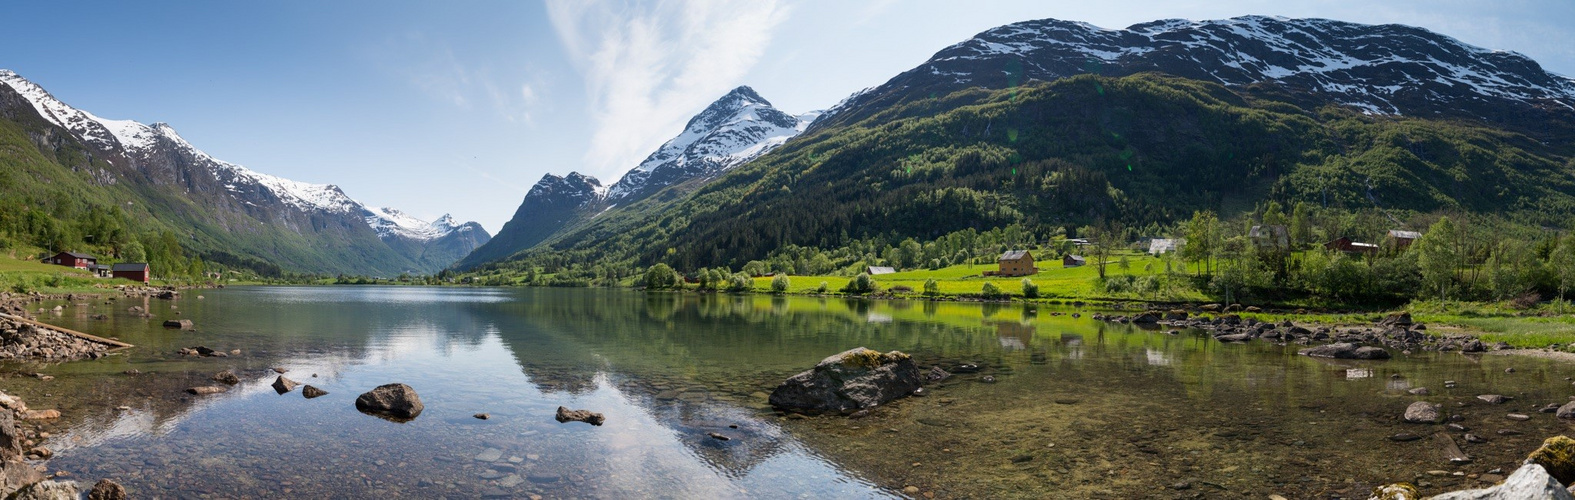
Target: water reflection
x,y
669,370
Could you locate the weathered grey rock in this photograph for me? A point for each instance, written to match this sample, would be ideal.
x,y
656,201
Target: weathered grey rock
x,y
1345,350
1401,319
11,437
283,385
106,489
207,389
1529,482
1473,346
848,381
181,324
936,374
1422,412
587,416
1493,399
1566,411
394,400
312,392
48,490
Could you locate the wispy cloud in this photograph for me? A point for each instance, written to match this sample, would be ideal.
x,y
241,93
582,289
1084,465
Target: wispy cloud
x,y
649,67
434,67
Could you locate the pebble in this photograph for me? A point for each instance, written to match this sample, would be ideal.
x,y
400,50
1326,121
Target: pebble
x,y
482,416
1518,417
911,490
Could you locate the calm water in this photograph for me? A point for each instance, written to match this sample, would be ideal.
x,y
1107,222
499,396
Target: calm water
x,y
1079,409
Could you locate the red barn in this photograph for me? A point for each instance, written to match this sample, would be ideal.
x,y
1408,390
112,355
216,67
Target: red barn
x,y
135,271
74,259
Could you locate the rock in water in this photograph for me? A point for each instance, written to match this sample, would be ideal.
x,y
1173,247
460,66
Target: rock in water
x,y
312,392
182,324
1422,412
283,385
394,400
1346,350
207,389
1529,482
107,490
228,377
849,381
1557,458
1397,491
1566,411
587,416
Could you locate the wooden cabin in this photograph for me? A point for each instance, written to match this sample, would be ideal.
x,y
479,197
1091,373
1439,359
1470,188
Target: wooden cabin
x,y
1344,244
1015,263
1073,261
1401,240
1275,236
135,271
877,270
73,259
1161,246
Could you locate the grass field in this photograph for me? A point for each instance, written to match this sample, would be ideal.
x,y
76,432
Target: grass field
x,y
22,276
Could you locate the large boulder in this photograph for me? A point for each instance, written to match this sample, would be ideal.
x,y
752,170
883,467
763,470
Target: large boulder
x,y
1422,412
283,385
1345,350
1399,319
106,489
849,381
48,490
1529,482
1557,457
11,436
394,400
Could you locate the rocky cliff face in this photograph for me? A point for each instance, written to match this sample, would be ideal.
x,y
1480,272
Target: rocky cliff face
x,y
551,205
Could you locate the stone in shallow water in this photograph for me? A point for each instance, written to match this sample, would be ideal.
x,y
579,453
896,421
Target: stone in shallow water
x,y
849,381
489,455
394,400
283,385
1422,412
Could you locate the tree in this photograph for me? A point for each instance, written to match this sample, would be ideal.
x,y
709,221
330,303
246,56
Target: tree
x,y
1104,237
661,276
740,282
1438,256
1562,259
1203,241
1301,225
133,252
932,287
780,283
757,268
1030,290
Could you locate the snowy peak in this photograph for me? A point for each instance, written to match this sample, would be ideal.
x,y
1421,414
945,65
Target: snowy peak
x,y
736,128
1380,69
575,189
138,141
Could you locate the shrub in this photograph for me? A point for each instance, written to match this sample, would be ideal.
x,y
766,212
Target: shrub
x,y
991,291
902,289
1030,290
824,287
932,287
780,283
740,282
860,284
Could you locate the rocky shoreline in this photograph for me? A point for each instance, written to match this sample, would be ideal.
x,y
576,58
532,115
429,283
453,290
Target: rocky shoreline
x,y
1396,331
23,471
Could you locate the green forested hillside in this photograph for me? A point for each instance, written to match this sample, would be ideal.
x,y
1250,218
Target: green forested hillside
x,y
1143,150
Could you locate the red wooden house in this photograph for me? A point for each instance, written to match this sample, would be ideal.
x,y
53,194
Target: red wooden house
x,y
73,259
135,271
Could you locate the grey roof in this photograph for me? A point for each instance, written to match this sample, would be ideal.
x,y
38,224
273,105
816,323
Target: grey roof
x,y
1076,257
1013,254
881,270
1405,235
80,255
130,266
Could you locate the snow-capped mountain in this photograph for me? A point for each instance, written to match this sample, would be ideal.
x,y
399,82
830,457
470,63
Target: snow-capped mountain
x,y
1379,69
738,127
157,158
735,129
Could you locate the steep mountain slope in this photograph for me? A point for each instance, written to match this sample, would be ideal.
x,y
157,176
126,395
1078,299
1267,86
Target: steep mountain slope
x,y
226,212
1384,69
931,152
736,128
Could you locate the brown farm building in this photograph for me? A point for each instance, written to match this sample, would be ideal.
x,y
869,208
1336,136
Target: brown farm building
x,y
135,271
73,259
1015,263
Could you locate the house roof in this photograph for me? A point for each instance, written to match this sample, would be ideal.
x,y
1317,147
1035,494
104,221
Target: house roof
x,y
130,266
1075,257
1266,231
1013,254
1404,235
881,270
80,255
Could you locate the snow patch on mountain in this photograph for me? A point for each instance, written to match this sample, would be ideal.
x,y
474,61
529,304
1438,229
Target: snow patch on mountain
x,y
731,131
136,138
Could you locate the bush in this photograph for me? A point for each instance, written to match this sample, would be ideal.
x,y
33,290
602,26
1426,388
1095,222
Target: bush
x,y
780,283
861,284
824,287
901,289
740,282
1030,290
932,287
990,291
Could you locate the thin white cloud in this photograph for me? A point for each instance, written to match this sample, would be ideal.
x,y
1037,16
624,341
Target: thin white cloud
x,y
649,67
435,68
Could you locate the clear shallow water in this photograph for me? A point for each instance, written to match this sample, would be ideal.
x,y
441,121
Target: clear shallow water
x,y
1080,409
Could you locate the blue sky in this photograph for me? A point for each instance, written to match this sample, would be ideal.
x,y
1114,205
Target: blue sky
x,y
460,106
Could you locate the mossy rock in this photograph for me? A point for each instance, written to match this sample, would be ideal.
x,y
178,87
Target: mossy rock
x,y
1396,491
1557,455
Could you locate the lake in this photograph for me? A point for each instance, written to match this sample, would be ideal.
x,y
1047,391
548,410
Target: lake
x,y
1077,408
